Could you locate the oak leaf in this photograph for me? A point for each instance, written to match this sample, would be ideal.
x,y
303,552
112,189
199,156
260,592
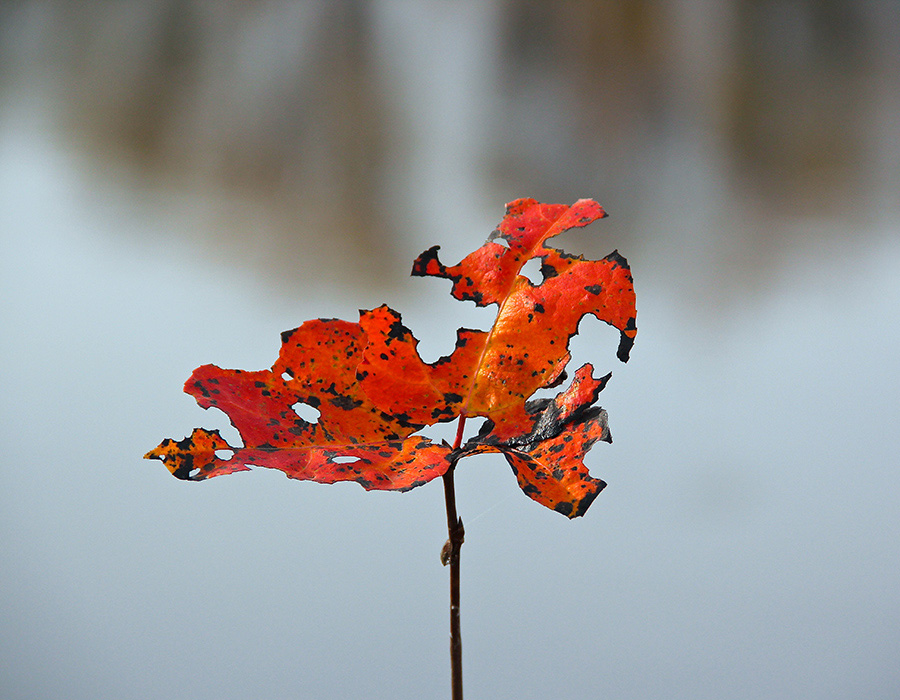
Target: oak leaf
x,y
374,392
492,373
351,440
548,460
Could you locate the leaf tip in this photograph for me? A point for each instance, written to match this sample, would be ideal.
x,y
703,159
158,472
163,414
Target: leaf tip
x,y
626,342
585,502
427,264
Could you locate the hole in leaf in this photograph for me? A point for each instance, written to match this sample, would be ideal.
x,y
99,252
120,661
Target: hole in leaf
x,y
473,426
500,240
286,377
306,412
532,270
225,454
194,472
345,459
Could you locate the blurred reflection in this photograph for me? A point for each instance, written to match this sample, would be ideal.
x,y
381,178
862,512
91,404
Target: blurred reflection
x,y
796,101
272,110
302,126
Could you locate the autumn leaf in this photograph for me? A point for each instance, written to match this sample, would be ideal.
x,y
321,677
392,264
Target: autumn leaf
x,y
548,460
493,373
374,392
351,440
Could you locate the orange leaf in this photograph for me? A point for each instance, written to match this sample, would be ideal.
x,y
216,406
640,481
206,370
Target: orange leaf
x,y
372,390
351,440
493,373
548,461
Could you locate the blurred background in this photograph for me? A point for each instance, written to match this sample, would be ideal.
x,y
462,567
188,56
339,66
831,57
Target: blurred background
x,y
181,181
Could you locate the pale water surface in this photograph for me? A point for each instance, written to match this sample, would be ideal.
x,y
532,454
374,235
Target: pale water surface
x,y
746,546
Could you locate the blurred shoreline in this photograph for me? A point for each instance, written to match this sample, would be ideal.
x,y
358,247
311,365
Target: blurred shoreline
x,y
738,132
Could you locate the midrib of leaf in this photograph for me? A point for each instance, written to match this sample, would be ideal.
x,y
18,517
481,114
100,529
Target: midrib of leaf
x,y
487,343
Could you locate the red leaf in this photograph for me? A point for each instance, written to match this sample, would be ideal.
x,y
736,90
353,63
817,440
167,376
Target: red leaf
x,y
352,439
493,373
373,391
548,461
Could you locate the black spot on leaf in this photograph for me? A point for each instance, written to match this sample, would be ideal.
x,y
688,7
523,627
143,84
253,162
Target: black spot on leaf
x,y
564,507
398,331
344,402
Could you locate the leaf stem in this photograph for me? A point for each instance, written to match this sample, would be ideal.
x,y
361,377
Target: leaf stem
x,y
459,433
450,556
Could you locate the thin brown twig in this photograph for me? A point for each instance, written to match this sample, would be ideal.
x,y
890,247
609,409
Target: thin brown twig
x,y
450,555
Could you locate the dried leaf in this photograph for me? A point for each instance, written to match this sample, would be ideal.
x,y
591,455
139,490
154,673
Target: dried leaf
x,y
548,461
493,373
373,391
351,440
